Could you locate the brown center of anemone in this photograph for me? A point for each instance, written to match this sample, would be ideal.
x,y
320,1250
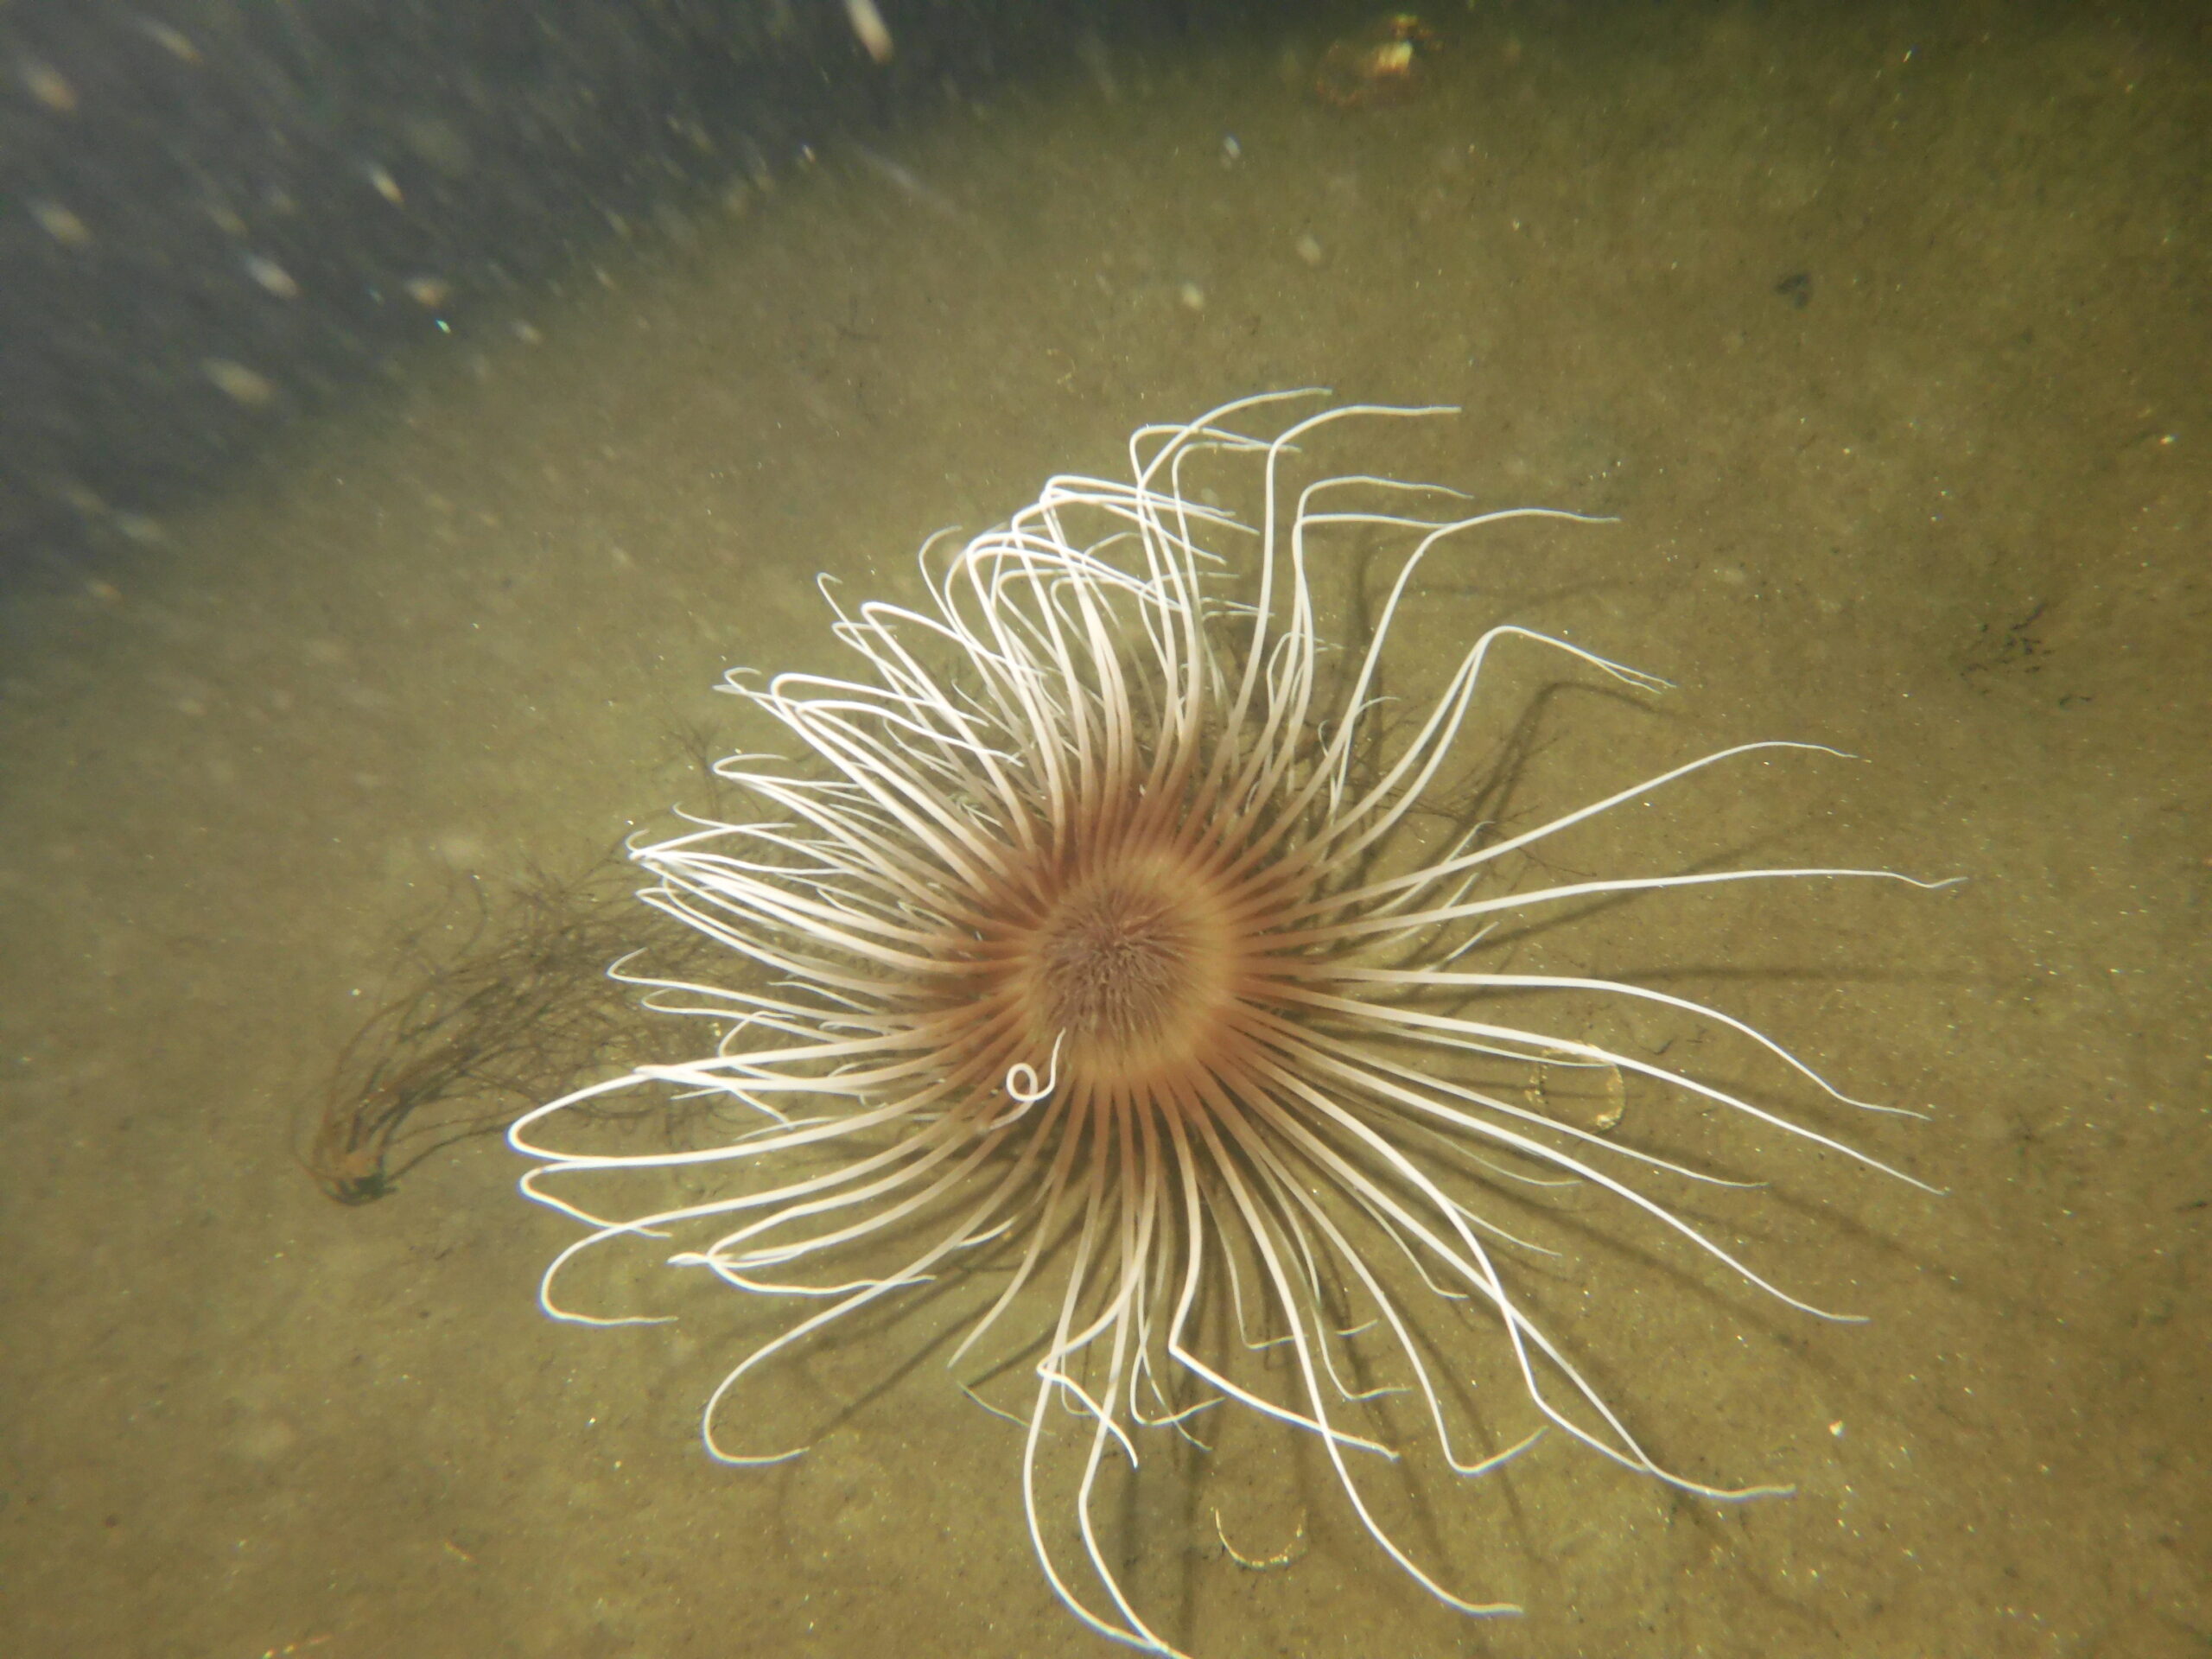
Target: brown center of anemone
x,y
1132,968
1114,965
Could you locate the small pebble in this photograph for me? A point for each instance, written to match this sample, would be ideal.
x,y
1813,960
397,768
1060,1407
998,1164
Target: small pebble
x,y
171,41
50,86
272,276
241,383
63,226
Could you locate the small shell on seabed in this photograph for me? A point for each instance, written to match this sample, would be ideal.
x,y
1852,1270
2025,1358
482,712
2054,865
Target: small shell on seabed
x,y
1382,65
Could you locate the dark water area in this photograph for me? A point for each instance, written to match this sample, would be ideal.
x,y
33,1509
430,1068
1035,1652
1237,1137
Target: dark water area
x,y
224,218
1880,331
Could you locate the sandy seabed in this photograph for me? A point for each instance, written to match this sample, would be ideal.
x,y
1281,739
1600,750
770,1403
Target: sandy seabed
x,y
1886,341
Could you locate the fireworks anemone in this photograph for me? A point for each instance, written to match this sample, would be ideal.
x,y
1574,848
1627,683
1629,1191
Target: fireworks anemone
x,y
1101,931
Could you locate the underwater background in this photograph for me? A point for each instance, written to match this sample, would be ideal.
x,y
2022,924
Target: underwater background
x,y
1883,330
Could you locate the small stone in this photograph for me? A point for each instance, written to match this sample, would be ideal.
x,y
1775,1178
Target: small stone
x,y
255,390
171,41
272,276
50,86
63,226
